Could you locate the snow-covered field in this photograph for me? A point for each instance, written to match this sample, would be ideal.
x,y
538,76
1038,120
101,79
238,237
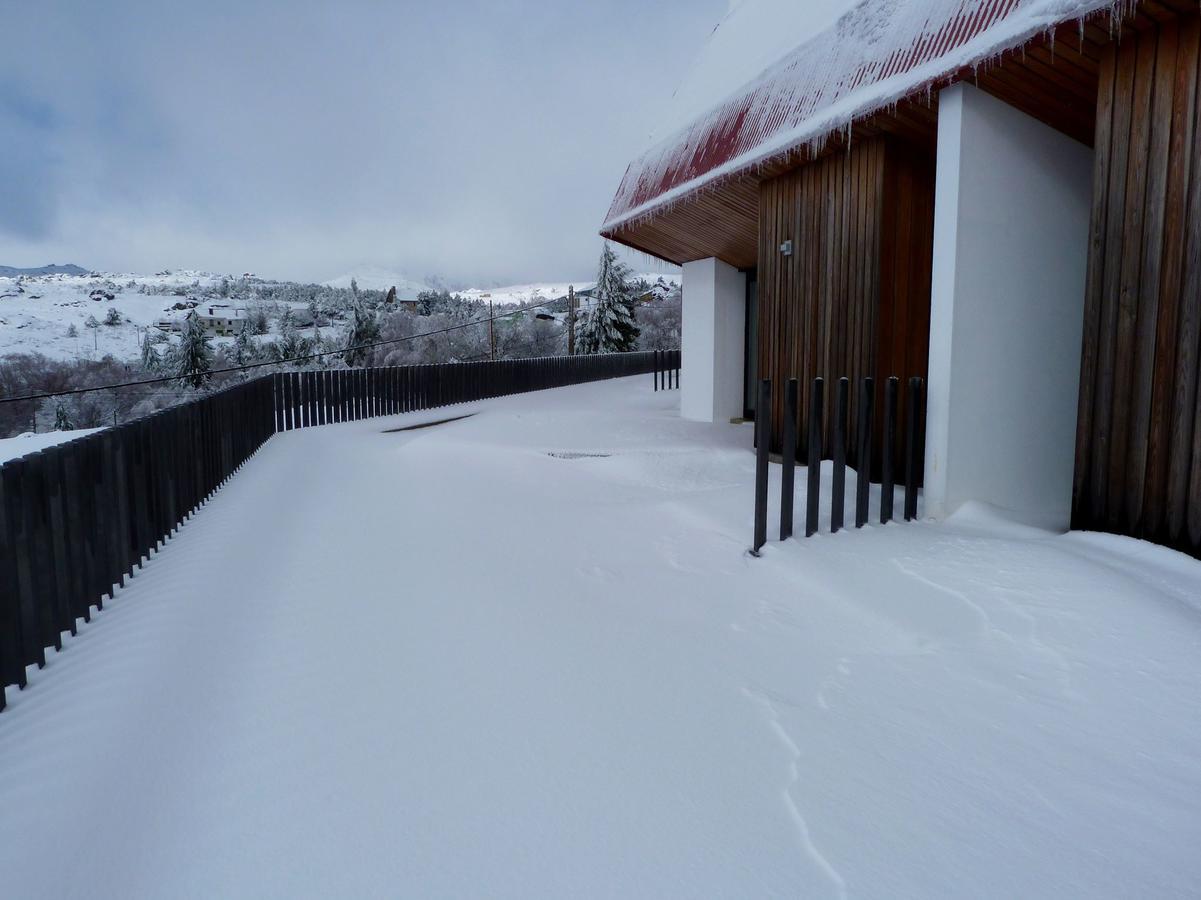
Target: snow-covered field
x,y
525,654
36,313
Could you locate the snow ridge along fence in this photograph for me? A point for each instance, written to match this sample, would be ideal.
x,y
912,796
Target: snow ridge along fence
x,y
78,518
868,428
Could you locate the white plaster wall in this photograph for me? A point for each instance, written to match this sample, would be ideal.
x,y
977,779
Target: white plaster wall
x,y
1011,215
711,341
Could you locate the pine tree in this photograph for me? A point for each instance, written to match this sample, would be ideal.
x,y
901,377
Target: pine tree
x,y
364,329
150,358
609,325
62,418
194,355
291,344
317,344
244,349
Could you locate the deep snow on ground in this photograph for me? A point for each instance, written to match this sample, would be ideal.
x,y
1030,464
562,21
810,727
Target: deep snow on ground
x,y
446,662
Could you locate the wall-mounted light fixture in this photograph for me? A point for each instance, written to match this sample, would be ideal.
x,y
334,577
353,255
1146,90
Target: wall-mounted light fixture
x,y
786,248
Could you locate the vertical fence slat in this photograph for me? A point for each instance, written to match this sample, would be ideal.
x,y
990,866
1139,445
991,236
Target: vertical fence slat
x,y
814,472
863,457
913,462
838,452
762,448
887,481
788,458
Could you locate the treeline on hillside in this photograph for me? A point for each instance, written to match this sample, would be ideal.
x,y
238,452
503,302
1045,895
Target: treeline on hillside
x,y
302,327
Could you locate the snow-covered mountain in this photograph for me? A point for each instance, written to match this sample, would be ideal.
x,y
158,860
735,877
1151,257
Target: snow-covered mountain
x,y
52,269
547,290
378,278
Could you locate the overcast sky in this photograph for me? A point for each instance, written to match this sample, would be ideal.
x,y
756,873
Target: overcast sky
x,y
477,141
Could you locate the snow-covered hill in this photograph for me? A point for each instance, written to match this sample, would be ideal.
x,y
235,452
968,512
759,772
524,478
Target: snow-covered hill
x,y
378,278
37,312
547,290
50,314
51,269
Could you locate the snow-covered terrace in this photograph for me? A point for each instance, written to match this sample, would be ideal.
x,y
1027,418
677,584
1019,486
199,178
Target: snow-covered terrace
x,y
524,654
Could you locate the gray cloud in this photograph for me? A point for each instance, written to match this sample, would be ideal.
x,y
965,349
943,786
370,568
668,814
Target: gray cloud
x,y
468,139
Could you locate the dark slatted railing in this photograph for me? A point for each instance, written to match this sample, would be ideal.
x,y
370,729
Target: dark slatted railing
x,y
667,369
913,451
77,519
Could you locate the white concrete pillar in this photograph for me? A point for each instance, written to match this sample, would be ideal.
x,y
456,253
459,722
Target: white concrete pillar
x,y
1011,219
712,341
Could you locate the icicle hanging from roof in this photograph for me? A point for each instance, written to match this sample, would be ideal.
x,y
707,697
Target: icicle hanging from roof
x,y
878,53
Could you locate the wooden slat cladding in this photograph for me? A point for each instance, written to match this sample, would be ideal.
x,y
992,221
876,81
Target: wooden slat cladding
x,y
853,298
1138,453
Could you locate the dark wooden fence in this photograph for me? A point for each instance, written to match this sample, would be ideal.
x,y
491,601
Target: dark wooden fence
x,y
346,395
667,365
77,519
911,462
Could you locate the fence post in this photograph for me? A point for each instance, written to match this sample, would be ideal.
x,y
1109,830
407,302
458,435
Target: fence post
x,y
839,453
762,448
17,498
913,415
814,489
311,387
863,459
278,400
788,458
887,482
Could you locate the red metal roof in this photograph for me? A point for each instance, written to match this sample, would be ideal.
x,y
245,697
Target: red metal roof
x,y
878,53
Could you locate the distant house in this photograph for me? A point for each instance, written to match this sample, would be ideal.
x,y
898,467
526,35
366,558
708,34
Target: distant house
x,y
1000,196
409,305
219,319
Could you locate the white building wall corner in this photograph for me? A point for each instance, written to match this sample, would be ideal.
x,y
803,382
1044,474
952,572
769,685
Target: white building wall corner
x,y
712,341
1012,199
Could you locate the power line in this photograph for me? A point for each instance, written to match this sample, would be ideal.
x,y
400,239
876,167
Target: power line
x,y
278,362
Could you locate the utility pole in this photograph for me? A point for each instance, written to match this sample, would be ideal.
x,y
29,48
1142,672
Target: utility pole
x,y
491,333
570,320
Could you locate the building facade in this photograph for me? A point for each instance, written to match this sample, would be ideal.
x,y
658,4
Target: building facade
x,y
1000,196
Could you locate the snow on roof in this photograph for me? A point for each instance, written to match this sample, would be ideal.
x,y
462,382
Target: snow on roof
x,y
877,53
